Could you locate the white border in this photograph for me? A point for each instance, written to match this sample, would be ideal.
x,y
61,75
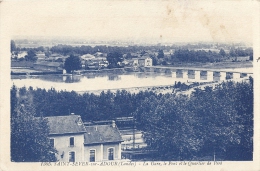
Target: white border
x,y
6,31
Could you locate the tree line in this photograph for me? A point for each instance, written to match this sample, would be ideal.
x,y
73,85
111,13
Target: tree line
x,y
185,55
211,121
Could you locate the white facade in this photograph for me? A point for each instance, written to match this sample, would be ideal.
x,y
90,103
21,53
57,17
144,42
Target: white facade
x,y
145,62
77,143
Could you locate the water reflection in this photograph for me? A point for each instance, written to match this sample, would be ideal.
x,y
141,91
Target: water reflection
x,y
90,76
114,77
101,81
72,79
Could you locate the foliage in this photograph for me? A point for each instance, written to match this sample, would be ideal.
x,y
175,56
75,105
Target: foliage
x,y
114,59
128,56
31,56
234,52
72,63
13,46
29,135
160,54
155,60
196,56
222,53
211,121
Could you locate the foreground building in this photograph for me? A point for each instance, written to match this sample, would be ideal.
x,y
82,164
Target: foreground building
x,y
76,142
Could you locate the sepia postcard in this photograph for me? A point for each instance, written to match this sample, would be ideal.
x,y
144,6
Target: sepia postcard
x,y
129,85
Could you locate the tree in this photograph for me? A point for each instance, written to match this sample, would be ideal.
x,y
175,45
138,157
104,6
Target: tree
x,y
160,54
155,60
222,53
211,121
47,53
31,56
13,46
114,59
29,134
128,56
72,63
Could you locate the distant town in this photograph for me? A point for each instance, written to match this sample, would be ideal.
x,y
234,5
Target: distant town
x,y
45,57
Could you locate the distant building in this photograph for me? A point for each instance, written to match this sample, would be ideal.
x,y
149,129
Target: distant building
x,y
100,54
87,57
145,61
40,56
96,63
22,54
239,58
48,66
76,142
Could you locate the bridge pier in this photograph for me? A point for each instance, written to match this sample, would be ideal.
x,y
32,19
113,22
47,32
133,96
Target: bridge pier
x,y
236,75
185,75
197,75
64,78
174,74
223,76
210,76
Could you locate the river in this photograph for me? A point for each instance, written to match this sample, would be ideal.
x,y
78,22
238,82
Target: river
x,y
102,81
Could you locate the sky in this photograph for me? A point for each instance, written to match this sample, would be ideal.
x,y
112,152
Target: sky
x,y
131,20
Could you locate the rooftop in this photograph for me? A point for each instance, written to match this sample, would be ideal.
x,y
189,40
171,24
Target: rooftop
x,y
45,63
97,134
65,124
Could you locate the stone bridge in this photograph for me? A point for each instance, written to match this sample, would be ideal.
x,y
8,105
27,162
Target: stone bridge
x,y
197,73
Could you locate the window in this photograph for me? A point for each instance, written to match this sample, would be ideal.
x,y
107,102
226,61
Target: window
x,y
52,142
72,156
92,155
111,154
71,141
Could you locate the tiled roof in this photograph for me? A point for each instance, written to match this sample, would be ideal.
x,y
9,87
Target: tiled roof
x,y
65,124
98,134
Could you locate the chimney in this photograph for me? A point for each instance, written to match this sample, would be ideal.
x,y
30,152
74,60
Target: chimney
x,y
113,124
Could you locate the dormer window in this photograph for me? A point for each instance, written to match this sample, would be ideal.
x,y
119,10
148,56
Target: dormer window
x,y
71,141
79,122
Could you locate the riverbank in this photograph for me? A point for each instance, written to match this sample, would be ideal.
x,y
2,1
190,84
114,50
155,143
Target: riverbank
x,y
134,90
163,89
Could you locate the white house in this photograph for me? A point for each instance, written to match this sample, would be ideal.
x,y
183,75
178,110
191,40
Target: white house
x,y
145,61
76,142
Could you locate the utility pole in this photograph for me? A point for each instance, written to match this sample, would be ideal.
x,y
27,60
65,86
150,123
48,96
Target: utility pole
x,y
133,133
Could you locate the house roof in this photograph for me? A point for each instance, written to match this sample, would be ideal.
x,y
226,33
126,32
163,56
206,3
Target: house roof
x,y
98,134
144,57
87,57
65,124
45,63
